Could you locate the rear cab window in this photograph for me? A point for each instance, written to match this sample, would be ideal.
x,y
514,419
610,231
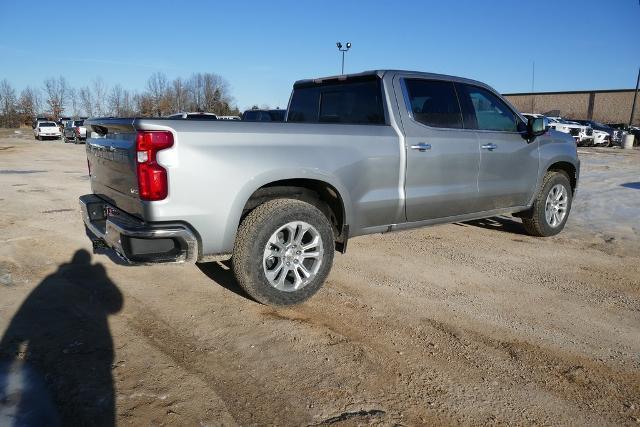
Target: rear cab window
x,y
357,100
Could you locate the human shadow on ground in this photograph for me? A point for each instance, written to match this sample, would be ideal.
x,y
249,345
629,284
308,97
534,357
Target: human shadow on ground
x,y
634,185
500,223
56,354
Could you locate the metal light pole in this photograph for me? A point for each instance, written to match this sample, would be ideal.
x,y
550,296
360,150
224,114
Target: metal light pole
x,y
346,49
533,85
635,95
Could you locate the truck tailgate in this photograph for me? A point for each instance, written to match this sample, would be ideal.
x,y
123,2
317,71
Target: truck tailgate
x,y
111,154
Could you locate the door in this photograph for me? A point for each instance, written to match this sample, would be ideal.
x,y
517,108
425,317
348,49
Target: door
x,y
508,162
442,157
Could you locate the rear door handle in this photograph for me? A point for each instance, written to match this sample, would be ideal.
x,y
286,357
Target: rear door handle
x,y
489,147
421,147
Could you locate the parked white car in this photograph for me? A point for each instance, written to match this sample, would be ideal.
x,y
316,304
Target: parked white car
x,y
601,137
581,133
46,130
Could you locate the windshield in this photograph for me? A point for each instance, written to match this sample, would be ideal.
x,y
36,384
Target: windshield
x,y
277,115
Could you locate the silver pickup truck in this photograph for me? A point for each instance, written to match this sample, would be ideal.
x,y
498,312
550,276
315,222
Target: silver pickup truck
x,y
358,154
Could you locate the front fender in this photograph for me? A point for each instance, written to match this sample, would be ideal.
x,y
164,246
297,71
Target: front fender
x,y
556,147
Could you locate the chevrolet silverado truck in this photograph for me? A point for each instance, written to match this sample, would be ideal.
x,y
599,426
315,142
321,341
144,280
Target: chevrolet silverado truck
x,y
366,153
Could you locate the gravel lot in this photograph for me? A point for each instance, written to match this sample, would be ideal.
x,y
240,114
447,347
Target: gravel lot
x,y
468,323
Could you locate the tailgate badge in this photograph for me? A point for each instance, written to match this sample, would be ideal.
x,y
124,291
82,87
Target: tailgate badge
x,y
109,211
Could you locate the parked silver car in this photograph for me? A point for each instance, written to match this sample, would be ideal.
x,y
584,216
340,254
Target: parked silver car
x,y
358,154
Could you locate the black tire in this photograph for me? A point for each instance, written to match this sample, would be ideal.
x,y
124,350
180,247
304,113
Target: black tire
x,y
534,220
252,238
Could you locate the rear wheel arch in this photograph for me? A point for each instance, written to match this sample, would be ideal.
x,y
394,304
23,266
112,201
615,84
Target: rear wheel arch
x,y
321,194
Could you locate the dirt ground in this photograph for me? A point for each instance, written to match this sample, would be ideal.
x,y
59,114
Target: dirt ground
x,y
470,323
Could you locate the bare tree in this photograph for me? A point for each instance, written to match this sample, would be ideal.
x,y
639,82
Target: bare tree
x,y
29,104
179,95
57,91
157,91
210,92
86,101
8,104
74,100
99,90
127,108
144,105
116,100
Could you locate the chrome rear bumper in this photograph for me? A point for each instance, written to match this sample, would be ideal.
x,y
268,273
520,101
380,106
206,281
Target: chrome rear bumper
x,y
135,241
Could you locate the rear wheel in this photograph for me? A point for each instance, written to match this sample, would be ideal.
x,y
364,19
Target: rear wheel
x,y
283,252
551,206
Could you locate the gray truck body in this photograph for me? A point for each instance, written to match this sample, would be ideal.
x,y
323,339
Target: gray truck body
x,y
397,175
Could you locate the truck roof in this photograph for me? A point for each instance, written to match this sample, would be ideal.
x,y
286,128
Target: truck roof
x,y
381,73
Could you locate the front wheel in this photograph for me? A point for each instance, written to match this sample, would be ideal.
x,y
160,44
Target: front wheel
x,y
283,252
551,207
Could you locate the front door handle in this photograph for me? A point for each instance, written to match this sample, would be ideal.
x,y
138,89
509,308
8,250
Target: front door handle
x,y
489,147
422,147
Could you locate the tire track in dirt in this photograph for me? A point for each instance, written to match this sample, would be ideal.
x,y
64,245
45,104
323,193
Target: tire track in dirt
x,y
242,394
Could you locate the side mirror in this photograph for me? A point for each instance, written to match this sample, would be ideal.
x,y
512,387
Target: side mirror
x,y
537,126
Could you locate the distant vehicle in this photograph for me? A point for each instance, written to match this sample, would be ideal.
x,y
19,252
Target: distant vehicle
x,y
358,154
34,122
615,135
74,131
46,130
264,115
583,135
601,138
229,118
193,116
61,121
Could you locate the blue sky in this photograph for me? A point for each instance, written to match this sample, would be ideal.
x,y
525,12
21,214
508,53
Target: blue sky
x,y
262,47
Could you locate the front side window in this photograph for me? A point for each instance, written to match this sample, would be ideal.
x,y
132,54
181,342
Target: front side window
x,y
434,103
485,111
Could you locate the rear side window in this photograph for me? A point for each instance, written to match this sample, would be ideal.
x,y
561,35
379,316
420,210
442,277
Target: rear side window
x,y
358,103
434,103
484,110
355,102
304,105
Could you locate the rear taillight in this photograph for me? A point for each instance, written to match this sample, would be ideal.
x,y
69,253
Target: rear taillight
x,y
152,178
77,131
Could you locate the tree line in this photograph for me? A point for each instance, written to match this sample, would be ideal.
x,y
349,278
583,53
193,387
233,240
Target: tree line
x,y
56,98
